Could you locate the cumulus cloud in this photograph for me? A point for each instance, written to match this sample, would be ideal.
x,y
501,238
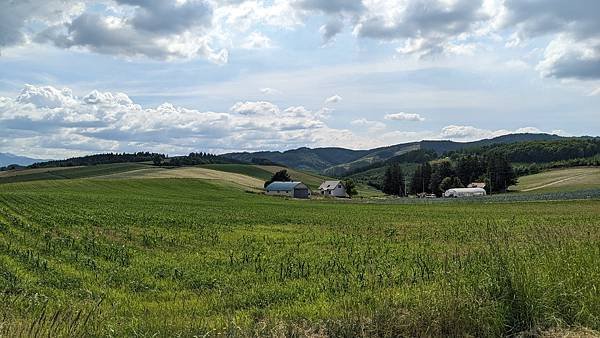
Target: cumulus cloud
x,y
15,16
574,52
333,99
331,6
470,133
424,26
331,29
46,118
405,117
157,29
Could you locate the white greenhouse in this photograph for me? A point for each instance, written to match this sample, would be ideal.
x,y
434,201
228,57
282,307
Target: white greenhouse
x,y
464,192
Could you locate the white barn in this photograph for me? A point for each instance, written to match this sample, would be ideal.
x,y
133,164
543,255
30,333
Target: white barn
x,y
290,189
333,188
465,192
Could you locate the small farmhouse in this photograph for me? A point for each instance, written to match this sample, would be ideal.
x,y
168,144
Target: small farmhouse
x,y
333,188
290,189
464,192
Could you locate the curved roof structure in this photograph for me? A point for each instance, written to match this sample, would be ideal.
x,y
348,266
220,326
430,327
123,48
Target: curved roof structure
x,y
283,186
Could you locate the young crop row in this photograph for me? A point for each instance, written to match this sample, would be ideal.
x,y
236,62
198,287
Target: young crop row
x,y
191,258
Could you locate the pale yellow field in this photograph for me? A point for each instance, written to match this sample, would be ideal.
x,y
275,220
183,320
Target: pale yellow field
x,y
192,172
560,179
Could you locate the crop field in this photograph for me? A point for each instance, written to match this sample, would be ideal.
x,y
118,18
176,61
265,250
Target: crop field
x,y
570,179
191,257
68,172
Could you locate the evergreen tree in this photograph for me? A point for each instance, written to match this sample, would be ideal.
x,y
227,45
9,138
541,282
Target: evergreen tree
x,y
500,173
393,181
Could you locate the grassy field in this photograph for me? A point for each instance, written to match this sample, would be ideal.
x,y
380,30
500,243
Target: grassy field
x,y
68,172
560,180
189,257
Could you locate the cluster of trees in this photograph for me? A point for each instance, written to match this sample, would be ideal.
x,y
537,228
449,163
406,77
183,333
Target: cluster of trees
x,y
461,169
534,168
191,159
393,181
99,159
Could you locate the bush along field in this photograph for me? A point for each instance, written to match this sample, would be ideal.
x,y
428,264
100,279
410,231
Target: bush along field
x,y
184,257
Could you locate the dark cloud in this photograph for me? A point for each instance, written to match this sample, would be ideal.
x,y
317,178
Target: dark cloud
x,y
424,19
574,53
16,14
539,17
167,16
332,6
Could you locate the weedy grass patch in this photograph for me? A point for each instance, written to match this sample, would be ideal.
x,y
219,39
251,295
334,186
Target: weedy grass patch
x,y
189,257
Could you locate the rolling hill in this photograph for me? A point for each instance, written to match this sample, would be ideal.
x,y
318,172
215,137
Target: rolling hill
x,y
339,161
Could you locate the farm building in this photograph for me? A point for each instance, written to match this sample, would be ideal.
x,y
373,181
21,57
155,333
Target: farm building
x,y
290,189
476,185
464,192
333,188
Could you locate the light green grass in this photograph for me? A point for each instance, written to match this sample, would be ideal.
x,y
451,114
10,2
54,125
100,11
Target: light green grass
x,y
560,180
185,257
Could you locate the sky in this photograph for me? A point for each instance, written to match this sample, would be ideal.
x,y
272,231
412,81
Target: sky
x,y
176,76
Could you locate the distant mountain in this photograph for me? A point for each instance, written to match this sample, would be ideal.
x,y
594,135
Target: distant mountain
x,y
339,161
8,159
302,158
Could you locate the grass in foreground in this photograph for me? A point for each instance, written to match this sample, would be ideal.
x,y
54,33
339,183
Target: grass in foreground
x,y
189,257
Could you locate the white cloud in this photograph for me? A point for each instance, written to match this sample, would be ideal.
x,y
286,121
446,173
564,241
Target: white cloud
x,y
470,133
257,40
405,117
270,91
55,122
333,99
371,126
595,92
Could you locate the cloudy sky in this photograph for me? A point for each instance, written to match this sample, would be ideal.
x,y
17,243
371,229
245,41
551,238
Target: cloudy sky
x,y
79,77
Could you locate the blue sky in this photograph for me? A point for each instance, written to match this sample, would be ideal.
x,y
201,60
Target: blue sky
x,y
82,77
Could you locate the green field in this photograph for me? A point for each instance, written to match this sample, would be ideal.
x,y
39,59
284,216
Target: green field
x,y
189,257
62,173
570,179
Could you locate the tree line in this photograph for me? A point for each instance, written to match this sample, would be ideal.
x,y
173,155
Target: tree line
x,y
457,171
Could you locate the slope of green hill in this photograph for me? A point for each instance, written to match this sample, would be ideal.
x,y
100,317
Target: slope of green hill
x,y
570,179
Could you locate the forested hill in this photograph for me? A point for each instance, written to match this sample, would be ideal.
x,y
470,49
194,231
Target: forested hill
x,y
339,161
544,151
155,158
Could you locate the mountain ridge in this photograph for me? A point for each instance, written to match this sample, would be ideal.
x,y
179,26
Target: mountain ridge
x,y
336,161
7,159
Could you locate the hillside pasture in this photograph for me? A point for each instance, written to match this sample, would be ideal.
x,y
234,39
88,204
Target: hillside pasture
x,y
62,173
192,173
570,179
195,257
